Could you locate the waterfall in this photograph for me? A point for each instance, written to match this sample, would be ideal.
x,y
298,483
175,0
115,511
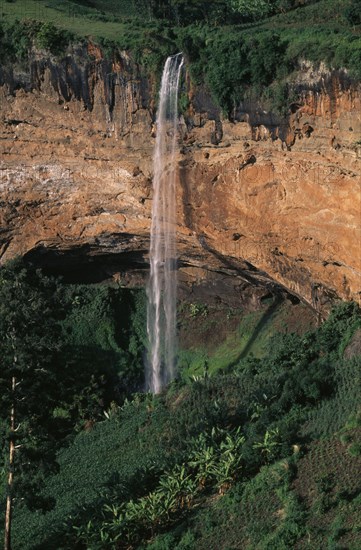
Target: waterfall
x,y
162,286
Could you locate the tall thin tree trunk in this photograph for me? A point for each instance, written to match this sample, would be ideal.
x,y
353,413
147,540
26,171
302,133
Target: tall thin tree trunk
x,y
8,513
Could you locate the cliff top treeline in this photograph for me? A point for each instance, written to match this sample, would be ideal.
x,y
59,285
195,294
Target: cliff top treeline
x,y
238,48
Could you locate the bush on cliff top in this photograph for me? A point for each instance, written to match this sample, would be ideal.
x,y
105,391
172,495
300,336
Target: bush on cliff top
x,y
18,38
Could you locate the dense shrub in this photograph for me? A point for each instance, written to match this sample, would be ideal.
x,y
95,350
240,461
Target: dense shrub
x,y
17,39
51,38
353,12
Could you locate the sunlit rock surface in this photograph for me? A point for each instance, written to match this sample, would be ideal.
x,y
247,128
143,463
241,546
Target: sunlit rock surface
x,y
262,199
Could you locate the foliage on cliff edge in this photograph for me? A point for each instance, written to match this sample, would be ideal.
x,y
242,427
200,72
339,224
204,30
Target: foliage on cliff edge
x,y
239,49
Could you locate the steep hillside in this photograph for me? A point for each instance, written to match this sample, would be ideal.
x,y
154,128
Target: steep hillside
x,y
266,456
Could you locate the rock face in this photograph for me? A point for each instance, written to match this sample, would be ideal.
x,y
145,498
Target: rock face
x,y
269,201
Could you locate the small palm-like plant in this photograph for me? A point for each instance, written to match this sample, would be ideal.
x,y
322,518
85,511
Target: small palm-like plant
x,y
88,534
202,460
229,461
232,443
136,511
152,508
269,444
224,471
217,457
115,523
177,487
168,503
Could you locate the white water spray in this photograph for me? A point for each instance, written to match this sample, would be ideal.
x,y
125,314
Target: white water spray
x,y
162,286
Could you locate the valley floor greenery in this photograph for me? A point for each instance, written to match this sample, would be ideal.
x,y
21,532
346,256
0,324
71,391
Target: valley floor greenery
x,y
263,455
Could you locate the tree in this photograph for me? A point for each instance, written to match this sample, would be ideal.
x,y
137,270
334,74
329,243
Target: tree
x,y
251,9
30,382
353,12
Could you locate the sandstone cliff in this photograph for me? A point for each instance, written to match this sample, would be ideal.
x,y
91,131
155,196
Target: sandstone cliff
x,y
271,201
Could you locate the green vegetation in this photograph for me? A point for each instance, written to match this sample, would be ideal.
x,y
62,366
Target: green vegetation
x,y
17,39
238,48
262,454
213,339
353,12
67,352
257,444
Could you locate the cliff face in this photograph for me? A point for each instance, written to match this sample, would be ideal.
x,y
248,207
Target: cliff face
x,y
266,200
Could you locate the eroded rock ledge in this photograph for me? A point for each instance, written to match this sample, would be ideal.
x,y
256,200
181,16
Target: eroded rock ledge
x,y
264,200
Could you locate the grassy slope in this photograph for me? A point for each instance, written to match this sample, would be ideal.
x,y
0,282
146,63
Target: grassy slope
x,y
71,15
218,338
312,502
266,53
309,499
65,18
315,30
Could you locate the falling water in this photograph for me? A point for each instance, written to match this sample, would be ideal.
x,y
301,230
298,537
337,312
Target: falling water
x,y
161,291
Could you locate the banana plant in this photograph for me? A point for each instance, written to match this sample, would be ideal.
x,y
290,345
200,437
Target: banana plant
x,y
178,486
202,460
168,503
225,470
229,461
135,511
232,443
269,444
87,534
115,522
154,508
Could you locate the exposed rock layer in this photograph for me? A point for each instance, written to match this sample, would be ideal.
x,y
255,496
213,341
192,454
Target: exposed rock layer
x,y
268,201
